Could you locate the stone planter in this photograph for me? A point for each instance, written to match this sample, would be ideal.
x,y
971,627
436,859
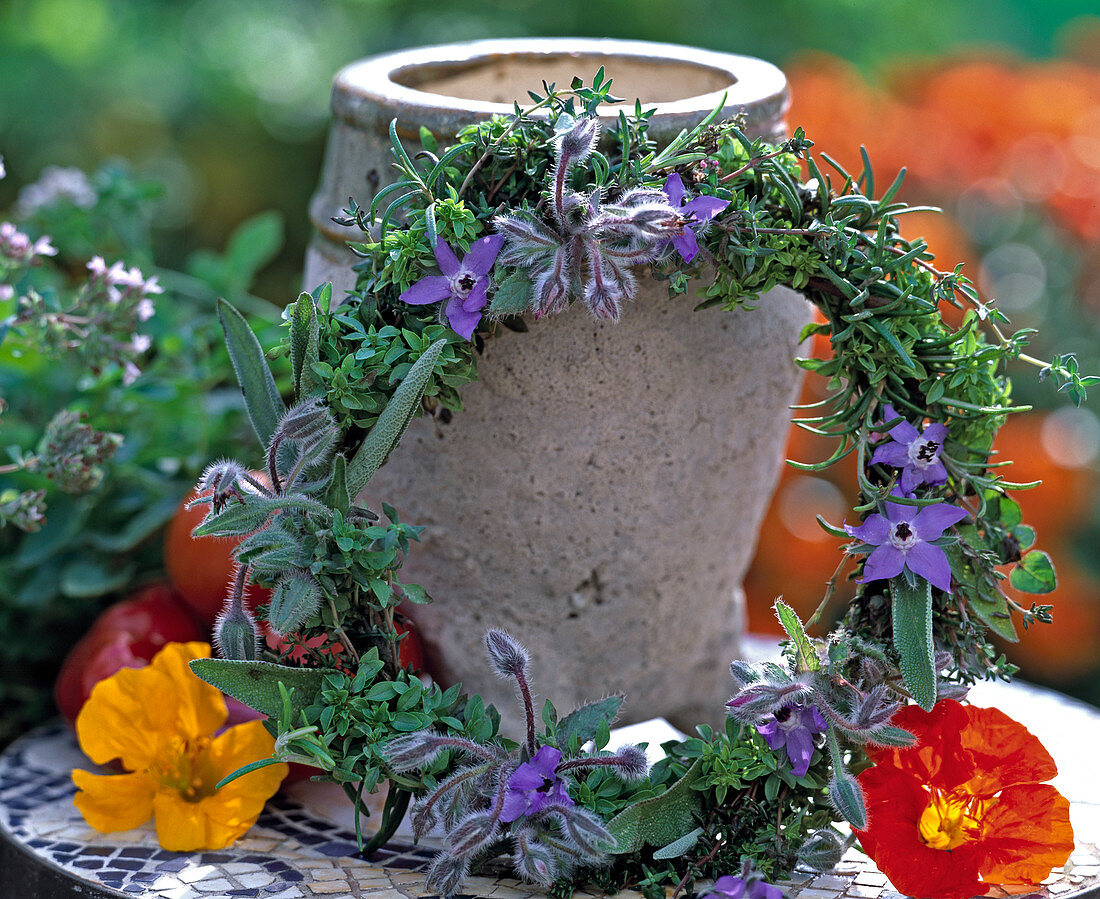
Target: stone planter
x,y
600,494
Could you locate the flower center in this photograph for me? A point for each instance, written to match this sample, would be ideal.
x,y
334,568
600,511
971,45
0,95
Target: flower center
x,y
923,453
952,819
462,284
181,770
903,536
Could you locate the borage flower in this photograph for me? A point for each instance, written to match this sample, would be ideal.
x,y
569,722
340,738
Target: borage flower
x,y
535,785
463,284
160,722
916,453
903,539
965,809
793,728
750,885
696,212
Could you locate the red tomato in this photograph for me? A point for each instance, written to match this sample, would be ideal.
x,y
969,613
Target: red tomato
x,y
127,635
201,568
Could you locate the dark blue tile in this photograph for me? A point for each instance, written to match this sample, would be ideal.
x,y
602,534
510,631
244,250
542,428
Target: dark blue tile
x,y
167,853
173,864
89,864
215,858
137,852
38,844
338,850
128,864
67,847
293,876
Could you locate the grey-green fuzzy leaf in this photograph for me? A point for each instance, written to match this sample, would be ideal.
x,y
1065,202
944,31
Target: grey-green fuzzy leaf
x,y
261,396
912,615
393,421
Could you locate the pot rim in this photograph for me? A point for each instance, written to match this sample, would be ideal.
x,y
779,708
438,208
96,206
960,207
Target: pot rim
x,y
372,82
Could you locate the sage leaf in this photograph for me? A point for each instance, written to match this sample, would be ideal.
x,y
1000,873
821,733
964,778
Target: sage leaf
x,y
261,396
256,684
393,421
661,820
912,615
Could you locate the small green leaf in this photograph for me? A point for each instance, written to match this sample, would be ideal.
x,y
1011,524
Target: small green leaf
x,y
394,419
304,350
337,495
1034,573
234,520
912,614
993,611
585,722
661,820
513,295
261,396
247,769
807,655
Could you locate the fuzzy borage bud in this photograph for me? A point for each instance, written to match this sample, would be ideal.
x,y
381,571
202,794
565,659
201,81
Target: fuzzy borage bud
x,y
506,654
236,635
576,144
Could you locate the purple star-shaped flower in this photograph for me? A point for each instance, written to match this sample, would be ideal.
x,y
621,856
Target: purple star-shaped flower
x,y
535,785
730,887
463,283
916,453
903,539
794,727
697,212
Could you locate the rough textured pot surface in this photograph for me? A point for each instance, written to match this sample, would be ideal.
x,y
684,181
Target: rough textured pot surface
x,y
601,492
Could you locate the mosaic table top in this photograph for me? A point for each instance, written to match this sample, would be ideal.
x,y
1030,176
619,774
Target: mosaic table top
x,y
303,846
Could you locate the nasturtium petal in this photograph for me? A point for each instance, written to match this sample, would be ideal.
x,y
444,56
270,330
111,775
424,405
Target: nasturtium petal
x,y
1028,835
1005,752
238,746
201,709
119,721
112,802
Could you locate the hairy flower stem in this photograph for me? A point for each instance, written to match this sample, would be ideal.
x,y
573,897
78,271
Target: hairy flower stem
x,y
528,709
272,463
448,785
607,761
835,754
236,595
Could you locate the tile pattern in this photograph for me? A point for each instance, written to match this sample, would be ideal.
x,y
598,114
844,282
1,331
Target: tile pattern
x,y
299,849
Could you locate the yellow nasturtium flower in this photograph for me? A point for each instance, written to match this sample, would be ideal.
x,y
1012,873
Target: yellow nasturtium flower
x,y
159,722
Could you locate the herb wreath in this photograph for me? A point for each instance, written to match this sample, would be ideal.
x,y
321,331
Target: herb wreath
x,y
527,214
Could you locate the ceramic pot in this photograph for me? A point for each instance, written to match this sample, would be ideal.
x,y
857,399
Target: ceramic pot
x,y
600,494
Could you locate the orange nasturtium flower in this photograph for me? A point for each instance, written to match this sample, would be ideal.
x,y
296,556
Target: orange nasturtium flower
x,y
965,808
160,721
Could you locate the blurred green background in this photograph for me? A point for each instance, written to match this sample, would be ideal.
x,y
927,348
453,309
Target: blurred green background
x,y
994,106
